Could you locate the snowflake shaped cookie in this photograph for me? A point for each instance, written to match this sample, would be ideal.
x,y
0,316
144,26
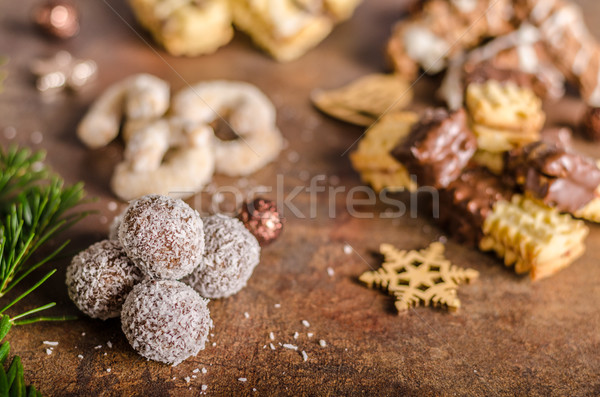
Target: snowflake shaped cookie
x,y
415,277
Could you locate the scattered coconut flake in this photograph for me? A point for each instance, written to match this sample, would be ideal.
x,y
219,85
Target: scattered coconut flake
x,y
174,377
242,379
194,376
49,343
310,334
246,315
290,346
105,353
204,387
347,249
98,347
304,356
109,344
305,323
272,346
187,379
330,272
204,370
277,305
254,389
296,335
271,336
48,351
83,334
107,369
264,346
196,371
214,344
80,356
322,343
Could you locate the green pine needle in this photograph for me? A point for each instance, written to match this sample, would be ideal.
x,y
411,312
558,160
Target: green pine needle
x,y
35,206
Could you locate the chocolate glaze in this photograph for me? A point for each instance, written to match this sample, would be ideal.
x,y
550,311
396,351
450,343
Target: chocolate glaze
x,y
484,71
591,124
561,179
438,147
467,201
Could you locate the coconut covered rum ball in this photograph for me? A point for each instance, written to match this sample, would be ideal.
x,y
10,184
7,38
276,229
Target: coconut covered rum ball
x,y
166,320
231,254
163,236
99,279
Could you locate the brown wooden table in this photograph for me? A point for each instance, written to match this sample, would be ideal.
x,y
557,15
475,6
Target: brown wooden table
x,y
511,337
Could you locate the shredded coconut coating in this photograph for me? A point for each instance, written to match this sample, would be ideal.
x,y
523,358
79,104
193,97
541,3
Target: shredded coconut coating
x,y
113,231
166,321
231,255
163,236
99,279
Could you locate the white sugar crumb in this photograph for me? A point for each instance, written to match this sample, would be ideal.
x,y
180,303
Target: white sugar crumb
x,y
204,370
246,315
107,369
310,334
296,335
272,346
112,206
242,379
48,351
277,305
322,343
109,344
204,387
98,347
290,346
347,249
330,272
271,336
305,323
196,371
49,343
304,356
187,379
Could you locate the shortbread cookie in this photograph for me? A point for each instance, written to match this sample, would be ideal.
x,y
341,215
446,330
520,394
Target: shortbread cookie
x,y
364,100
372,159
438,147
186,27
532,237
286,29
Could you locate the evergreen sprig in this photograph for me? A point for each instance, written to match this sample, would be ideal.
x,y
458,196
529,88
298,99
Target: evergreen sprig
x,y
35,206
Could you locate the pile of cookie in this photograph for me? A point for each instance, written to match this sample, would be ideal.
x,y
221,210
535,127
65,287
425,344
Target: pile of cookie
x,y
540,43
173,146
155,242
286,29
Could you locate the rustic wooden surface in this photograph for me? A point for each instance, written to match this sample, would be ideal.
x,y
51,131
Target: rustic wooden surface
x,y
511,337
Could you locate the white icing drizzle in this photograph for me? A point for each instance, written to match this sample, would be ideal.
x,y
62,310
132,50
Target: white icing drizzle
x,y
562,20
541,10
451,89
426,48
581,61
528,59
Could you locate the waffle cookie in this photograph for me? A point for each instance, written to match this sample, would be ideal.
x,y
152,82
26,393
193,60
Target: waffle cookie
x,y
532,237
372,159
286,29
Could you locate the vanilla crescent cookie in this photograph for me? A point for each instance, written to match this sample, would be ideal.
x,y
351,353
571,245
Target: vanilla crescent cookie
x,y
168,157
249,113
186,27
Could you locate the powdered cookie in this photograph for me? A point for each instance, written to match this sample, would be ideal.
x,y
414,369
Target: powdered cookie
x,y
163,236
364,100
166,321
99,279
230,257
248,112
168,157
